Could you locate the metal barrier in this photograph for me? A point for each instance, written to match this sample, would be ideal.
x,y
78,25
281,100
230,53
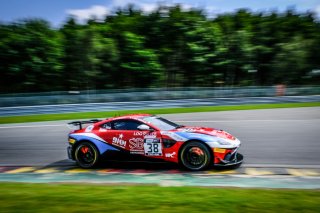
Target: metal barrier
x,y
122,95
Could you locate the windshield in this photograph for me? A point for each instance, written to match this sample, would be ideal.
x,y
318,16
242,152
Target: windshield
x,y
161,123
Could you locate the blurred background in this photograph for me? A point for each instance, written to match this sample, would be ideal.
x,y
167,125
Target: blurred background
x,y
97,57
157,46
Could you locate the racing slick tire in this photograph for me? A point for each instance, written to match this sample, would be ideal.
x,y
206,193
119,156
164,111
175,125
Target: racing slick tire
x,y
195,156
86,155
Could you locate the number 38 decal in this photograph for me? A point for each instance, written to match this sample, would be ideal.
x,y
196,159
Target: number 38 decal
x,y
152,147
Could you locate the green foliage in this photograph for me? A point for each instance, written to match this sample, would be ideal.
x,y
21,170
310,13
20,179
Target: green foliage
x,y
165,48
82,197
139,66
30,55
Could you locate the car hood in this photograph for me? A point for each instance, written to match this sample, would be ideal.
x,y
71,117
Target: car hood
x,y
213,137
207,131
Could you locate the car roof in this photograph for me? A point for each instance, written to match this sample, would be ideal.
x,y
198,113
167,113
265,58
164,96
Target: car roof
x,y
131,116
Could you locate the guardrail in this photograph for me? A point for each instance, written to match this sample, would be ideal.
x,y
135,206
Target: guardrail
x,y
122,95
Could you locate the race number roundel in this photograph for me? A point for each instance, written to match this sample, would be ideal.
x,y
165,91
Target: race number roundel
x,y
152,147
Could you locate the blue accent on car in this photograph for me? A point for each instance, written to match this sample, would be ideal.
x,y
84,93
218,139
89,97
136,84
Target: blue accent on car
x,y
197,136
102,146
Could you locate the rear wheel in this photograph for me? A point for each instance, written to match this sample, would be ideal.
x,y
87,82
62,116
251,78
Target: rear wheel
x,y
86,155
195,156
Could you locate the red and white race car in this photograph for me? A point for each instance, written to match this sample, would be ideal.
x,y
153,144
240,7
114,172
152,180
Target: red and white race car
x,y
152,138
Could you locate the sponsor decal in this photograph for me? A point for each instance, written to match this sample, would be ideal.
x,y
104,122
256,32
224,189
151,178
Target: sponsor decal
x,y
139,133
170,155
187,130
149,140
136,146
102,130
118,141
145,134
150,135
89,128
152,140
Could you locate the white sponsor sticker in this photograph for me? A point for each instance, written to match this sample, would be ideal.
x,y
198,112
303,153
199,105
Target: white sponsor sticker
x,y
118,141
170,155
151,135
136,146
149,140
139,133
145,134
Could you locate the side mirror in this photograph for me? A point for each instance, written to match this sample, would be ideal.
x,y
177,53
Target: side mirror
x,y
144,127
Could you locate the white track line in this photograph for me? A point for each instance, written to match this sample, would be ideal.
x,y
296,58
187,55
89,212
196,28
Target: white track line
x,y
35,126
245,165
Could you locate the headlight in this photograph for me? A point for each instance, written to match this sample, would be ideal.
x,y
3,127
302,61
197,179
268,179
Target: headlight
x,y
223,142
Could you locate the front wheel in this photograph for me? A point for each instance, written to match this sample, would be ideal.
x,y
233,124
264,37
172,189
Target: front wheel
x,y
86,155
195,156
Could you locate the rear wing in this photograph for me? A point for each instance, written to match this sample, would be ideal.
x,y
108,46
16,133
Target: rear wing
x,y
79,123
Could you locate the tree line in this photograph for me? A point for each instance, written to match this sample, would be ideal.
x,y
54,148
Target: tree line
x,y
169,47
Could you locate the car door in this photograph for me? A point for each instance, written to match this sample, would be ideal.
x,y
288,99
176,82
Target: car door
x,y
120,132
124,133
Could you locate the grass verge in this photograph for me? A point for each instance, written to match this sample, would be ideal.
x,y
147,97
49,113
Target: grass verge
x,y
20,197
90,115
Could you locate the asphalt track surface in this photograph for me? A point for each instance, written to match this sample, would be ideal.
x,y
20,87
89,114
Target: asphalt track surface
x,y
270,137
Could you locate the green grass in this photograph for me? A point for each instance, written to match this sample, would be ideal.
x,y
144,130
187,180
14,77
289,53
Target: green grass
x,y
18,197
90,115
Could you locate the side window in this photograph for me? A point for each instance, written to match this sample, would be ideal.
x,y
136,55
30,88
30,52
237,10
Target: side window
x,y
126,125
106,125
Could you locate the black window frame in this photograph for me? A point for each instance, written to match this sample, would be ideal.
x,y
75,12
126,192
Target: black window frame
x,y
130,120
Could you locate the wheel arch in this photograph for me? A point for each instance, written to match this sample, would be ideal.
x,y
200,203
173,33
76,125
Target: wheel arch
x,y
102,146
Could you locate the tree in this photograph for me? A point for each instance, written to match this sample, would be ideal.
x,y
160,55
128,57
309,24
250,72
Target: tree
x,y
169,47
139,66
291,62
30,54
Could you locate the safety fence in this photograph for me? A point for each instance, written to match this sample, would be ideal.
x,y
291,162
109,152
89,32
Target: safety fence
x,y
123,95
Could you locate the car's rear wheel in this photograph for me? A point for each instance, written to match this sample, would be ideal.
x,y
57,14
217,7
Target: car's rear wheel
x,y
86,155
195,156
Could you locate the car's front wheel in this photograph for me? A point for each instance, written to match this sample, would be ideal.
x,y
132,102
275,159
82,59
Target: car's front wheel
x,y
86,155
195,156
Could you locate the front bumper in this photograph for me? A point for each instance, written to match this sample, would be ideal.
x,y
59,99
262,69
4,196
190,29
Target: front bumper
x,y
237,160
227,157
69,151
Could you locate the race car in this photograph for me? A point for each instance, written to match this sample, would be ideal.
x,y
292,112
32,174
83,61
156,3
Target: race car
x,y
152,138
